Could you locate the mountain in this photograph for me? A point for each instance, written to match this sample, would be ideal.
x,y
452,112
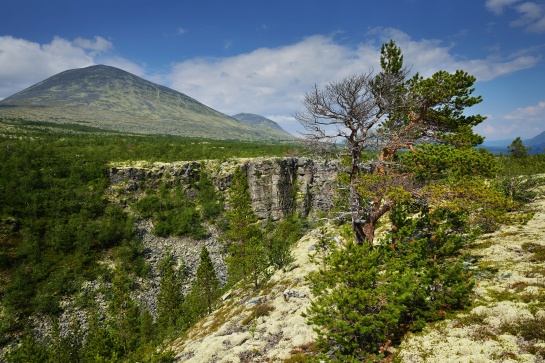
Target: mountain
x,y
260,123
537,140
536,145
112,99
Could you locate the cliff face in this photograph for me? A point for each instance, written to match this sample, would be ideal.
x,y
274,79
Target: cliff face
x,y
277,186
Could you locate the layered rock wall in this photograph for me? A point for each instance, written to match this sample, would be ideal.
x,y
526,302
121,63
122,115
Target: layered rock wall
x,y
278,186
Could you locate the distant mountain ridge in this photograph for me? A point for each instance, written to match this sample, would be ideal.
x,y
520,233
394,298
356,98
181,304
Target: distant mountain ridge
x,y
537,140
536,145
110,98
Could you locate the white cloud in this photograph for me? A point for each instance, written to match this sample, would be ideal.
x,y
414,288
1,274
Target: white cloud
x,y
525,122
429,55
497,6
272,81
288,123
531,14
269,81
181,31
532,114
98,44
24,63
495,130
533,17
227,44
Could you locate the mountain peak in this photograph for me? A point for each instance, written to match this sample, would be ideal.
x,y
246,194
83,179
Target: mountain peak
x,y
113,99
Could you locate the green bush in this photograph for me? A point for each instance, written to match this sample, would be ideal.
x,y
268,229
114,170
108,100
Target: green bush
x,y
280,238
368,298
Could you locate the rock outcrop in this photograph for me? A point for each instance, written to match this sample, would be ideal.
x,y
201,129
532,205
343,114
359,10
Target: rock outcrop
x,y
278,186
263,325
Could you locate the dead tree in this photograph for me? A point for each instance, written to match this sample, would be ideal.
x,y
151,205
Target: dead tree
x,y
385,113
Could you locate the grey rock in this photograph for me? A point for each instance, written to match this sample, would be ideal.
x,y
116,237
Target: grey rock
x,y
288,294
255,300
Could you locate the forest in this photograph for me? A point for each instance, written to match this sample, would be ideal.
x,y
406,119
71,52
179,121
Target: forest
x,y
56,225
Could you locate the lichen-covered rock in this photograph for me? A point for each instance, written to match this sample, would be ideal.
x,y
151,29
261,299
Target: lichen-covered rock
x,y
236,332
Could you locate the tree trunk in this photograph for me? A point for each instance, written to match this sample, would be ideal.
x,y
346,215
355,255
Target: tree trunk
x,y
369,231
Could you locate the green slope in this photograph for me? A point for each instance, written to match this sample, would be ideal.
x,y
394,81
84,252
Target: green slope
x,y
110,98
262,123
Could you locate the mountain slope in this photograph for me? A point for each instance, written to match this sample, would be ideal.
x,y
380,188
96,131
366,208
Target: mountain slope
x,y
112,99
261,123
539,139
536,143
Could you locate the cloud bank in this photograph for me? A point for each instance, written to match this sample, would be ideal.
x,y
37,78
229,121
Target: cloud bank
x,y
529,14
272,81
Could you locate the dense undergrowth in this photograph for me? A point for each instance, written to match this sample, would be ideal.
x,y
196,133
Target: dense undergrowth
x,y
56,224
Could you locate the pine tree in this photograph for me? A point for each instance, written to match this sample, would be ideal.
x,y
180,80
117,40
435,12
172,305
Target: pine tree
x,y
29,350
211,204
66,348
170,298
517,149
100,343
245,237
207,284
387,112
125,314
257,260
147,327
241,215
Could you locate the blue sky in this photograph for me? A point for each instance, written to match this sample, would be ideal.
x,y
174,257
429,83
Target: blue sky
x,y
262,56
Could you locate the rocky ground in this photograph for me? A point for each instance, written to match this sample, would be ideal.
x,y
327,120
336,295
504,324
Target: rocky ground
x,y
506,322
263,325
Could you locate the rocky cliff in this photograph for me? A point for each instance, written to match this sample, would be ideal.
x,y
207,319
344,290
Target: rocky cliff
x,y
278,187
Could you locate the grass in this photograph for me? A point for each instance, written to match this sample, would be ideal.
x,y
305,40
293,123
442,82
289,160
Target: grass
x,y
537,250
257,312
303,353
531,330
487,269
219,318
